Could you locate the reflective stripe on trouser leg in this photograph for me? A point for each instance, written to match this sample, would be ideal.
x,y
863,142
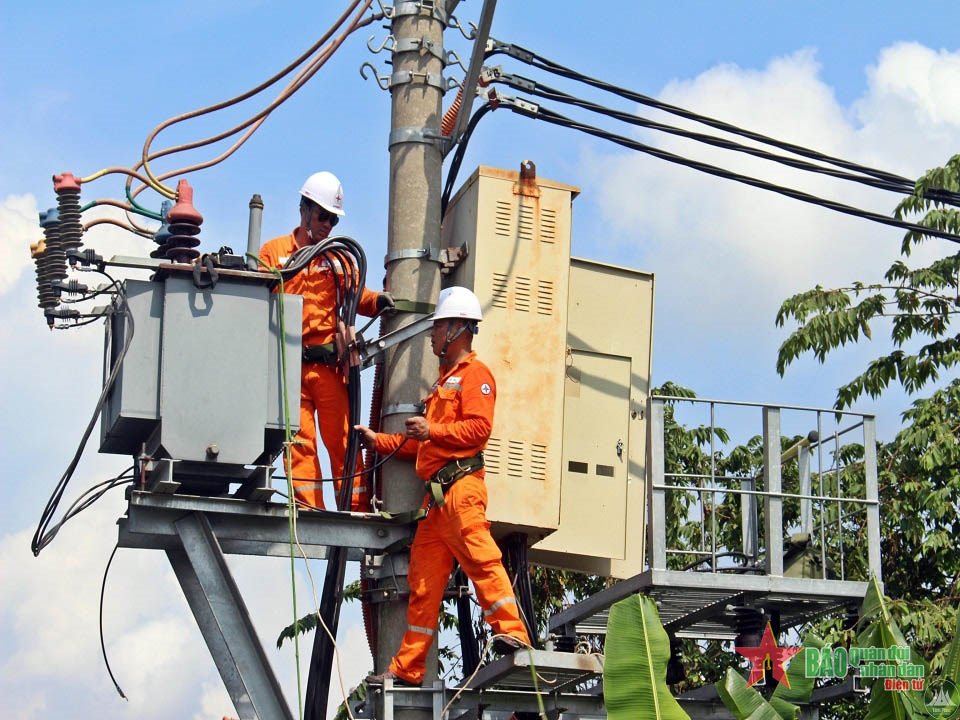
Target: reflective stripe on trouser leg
x,y
430,565
479,556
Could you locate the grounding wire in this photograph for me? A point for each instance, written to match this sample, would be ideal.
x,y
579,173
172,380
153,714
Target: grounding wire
x,y
902,186
103,646
552,117
287,444
41,537
538,61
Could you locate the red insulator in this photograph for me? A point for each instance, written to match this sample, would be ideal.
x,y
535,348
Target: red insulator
x,y
184,225
67,187
66,181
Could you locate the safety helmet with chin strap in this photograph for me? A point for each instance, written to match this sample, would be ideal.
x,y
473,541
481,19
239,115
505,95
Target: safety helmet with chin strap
x,y
458,303
325,190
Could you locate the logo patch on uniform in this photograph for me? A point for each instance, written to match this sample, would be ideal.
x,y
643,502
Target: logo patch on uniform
x,y
485,389
454,379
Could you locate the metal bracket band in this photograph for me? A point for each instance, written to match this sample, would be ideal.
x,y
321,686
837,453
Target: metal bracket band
x,y
401,409
426,253
426,8
419,45
428,136
437,80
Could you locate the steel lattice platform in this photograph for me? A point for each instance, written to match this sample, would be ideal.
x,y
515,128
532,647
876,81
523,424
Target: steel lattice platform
x,y
696,604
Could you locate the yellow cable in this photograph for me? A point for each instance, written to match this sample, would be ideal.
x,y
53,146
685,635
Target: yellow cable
x,y
166,192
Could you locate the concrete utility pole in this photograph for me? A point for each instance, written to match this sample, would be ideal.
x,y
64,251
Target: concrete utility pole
x,y
414,224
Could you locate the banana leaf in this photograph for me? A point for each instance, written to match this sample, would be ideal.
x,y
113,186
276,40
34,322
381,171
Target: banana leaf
x,y
635,664
951,670
743,702
784,699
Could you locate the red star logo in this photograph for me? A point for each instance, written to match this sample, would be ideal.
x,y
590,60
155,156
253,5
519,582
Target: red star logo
x,y
768,649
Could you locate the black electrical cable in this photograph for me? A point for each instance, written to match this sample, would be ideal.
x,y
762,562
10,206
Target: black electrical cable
x,y
469,649
42,537
902,187
538,61
550,116
458,158
103,646
349,255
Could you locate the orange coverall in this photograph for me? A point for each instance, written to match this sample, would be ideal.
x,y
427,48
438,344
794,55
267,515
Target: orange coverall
x,y
322,388
459,410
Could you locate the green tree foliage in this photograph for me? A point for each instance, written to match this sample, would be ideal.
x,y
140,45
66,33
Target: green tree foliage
x,y
922,304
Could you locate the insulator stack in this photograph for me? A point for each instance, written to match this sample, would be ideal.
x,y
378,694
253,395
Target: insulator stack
x,y
67,187
162,236
184,223
53,264
45,293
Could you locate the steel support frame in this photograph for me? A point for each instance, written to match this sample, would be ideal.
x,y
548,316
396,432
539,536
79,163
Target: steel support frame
x,y
223,619
195,532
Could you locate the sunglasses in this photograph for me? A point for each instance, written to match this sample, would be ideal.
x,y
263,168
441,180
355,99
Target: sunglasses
x,y
324,215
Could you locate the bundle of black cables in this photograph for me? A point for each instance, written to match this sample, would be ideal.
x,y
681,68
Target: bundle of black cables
x,y
45,533
348,264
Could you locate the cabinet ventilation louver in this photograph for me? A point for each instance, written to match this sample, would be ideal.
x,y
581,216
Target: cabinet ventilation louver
x,y
526,223
503,216
515,458
499,298
491,456
522,294
545,297
548,225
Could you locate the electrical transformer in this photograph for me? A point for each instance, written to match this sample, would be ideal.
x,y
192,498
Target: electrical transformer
x,y
200,385
569,343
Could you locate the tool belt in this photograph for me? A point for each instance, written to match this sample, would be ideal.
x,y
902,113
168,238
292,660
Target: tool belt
x,y
325,354
444,478
437,485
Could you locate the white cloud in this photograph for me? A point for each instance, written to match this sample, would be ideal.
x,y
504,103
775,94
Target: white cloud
x,y
18,229
723,249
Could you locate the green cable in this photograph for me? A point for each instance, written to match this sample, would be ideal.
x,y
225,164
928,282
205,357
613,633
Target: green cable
x,y
138,208
291,503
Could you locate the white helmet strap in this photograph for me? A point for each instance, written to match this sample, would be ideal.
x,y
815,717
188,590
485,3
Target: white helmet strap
x,y
451,337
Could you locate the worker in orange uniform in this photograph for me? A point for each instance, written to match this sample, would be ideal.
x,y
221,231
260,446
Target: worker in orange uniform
x,y
322,386
447,443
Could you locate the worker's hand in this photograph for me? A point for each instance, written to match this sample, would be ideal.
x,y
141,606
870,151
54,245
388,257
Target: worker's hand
x,y
385,301
367,436
418,428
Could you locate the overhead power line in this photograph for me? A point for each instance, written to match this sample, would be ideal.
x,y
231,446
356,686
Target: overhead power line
x,y
538,61
539,89
537,112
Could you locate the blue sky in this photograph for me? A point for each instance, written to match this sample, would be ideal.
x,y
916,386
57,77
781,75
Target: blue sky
x,y
82,85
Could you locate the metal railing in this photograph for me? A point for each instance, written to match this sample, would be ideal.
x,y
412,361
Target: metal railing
x,y
815,503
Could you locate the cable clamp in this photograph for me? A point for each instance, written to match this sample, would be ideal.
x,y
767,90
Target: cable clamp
x,y
496,74
518,105
402,409
437,80
514,51
414,135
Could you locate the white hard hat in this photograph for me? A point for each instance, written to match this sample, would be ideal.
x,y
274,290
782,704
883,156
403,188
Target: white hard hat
x,y
457,302
325,190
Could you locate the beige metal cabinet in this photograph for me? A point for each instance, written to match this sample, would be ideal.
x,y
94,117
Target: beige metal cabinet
x,y
568,342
